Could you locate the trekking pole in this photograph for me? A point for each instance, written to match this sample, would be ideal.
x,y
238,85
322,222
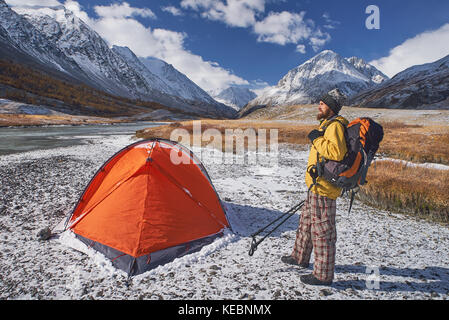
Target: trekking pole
x,y
289,214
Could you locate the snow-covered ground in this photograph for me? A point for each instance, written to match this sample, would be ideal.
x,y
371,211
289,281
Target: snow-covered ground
x,y
40,188
426,165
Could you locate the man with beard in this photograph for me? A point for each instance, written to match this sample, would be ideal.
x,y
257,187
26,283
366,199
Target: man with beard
x,y
317,228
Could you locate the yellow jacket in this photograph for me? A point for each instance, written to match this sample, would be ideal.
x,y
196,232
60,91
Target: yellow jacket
x,y
331,146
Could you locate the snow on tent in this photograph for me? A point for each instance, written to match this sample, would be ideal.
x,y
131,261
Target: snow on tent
x,y
150,203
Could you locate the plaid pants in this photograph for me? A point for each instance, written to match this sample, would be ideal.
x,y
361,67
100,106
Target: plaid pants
x,y
317,231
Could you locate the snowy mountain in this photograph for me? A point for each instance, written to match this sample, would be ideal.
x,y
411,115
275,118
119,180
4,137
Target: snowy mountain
x,y
179,82
168,80
134,62
370,71
8,49
418,87
55,37
326,71
78,42
21,40
235,97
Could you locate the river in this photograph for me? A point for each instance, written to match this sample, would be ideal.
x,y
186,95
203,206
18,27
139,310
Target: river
x,y
22,139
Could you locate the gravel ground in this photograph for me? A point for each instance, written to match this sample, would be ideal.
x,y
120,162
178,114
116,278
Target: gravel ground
x,y
380,255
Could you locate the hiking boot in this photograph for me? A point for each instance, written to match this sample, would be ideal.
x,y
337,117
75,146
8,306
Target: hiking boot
x,y
310,279
292,261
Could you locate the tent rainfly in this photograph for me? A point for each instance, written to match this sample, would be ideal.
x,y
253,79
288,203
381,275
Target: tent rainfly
x,y
150,203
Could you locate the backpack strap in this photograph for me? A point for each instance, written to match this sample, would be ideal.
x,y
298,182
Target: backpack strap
x,y
324,128
332,120
329,122
316,170
368,159
352,200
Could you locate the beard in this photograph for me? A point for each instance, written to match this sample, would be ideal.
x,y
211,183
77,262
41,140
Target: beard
x,y
324,115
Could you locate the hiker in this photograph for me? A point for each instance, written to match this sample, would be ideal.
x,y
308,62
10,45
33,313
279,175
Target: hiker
x,y
317,228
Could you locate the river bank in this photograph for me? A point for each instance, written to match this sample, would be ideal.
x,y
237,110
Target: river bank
x,y
22,139
24,121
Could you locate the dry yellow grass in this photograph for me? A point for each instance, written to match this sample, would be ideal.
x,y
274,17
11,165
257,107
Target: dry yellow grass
x,y
7,120
421,136
416,190
401,141
286,132
416,143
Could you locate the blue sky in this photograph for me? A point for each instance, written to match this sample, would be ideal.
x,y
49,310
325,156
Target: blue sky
x,y
254,43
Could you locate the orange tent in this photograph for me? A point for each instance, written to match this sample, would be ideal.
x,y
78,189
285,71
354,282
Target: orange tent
x,y
150,203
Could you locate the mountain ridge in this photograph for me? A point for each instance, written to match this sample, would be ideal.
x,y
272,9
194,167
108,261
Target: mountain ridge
x,y
236,97
322,73
57,38
418,87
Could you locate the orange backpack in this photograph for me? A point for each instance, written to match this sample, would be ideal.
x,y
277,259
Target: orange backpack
x,y
363,136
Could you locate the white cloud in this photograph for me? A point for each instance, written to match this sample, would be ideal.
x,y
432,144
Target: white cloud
x,y
426,47
282,28
261,91
319,39
330,24
207,74
75,7
258,86
121,29
235,13
286,27
123,10
277,27
301,48
173,10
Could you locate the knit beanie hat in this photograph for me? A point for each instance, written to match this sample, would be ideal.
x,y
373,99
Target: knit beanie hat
x,y
331,103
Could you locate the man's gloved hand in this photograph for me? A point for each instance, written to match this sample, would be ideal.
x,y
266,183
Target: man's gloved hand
x,y
315,134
